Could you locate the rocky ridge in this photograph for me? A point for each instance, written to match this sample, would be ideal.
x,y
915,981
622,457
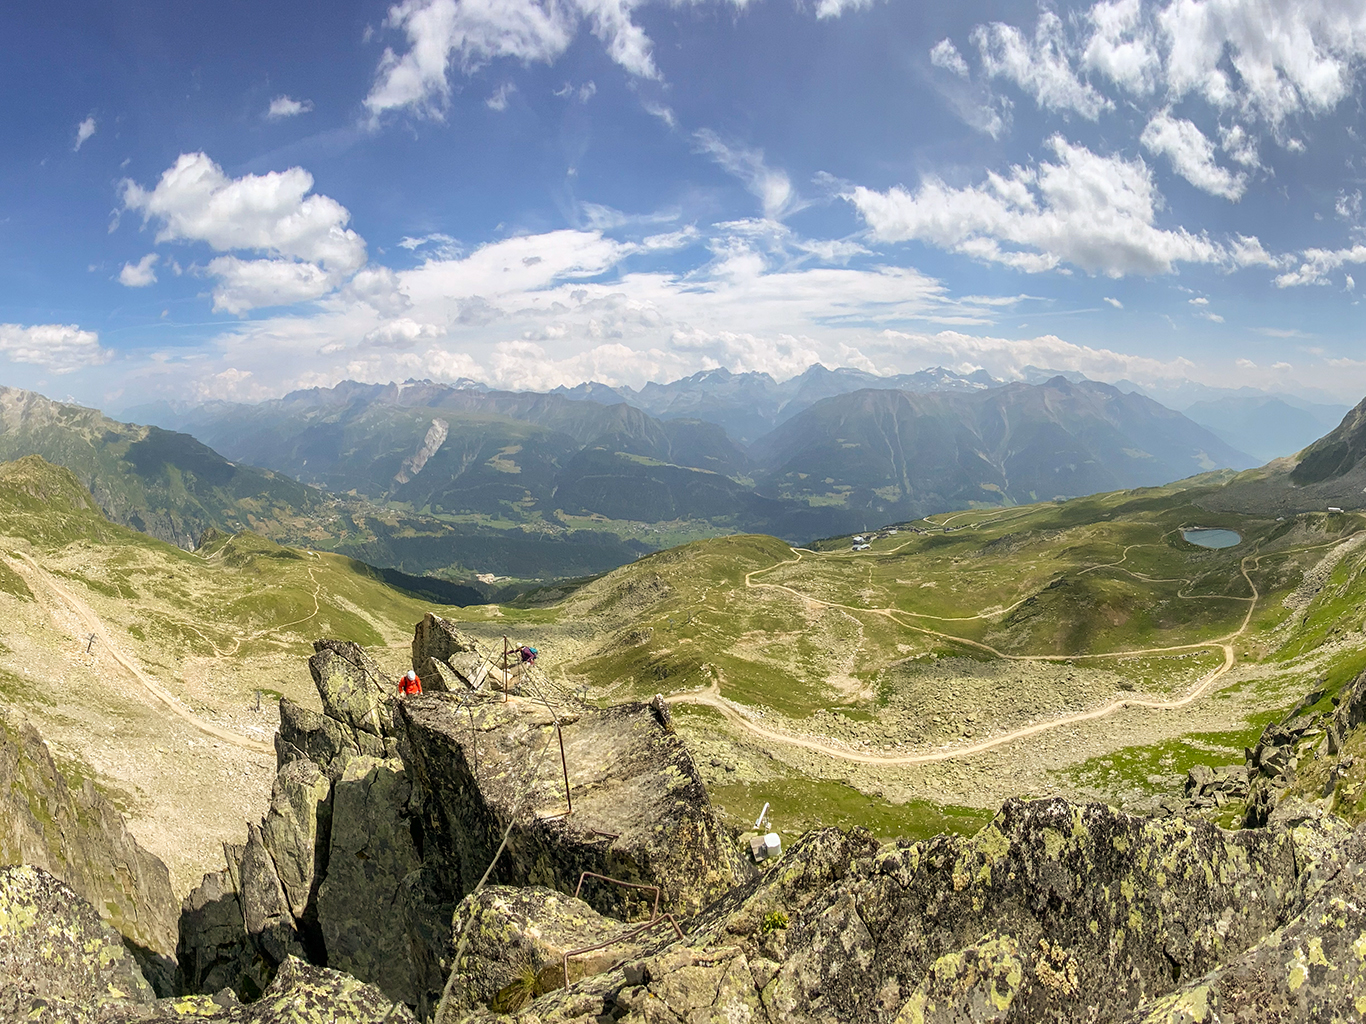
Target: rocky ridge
x,y
68,828
385,814
417,861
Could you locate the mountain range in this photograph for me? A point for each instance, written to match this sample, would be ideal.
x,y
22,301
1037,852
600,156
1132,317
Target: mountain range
x,y
829,465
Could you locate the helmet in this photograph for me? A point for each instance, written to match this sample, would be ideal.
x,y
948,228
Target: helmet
x,y
410,676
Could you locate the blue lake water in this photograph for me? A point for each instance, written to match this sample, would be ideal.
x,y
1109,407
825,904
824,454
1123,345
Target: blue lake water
x,y
1212,538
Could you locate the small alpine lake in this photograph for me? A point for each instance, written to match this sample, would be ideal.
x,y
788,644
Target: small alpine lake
x,y
1208,538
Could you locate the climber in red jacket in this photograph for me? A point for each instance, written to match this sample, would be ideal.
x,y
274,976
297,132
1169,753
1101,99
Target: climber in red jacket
x,y
409,684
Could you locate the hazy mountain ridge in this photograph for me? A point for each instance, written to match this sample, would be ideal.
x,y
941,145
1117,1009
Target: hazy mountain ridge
x,y
901,454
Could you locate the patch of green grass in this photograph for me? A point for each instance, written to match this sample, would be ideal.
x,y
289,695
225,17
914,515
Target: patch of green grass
x,y
801,803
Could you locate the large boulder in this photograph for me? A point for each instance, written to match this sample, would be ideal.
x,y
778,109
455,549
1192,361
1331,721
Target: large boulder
x,y
640,811
444,655
516,941
351,686
372,851
55,948
65,826
297,831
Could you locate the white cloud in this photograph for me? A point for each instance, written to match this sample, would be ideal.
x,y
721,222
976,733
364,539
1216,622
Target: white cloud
x,y
1114,302
285,106
582,93
403,333
1041,67
1239,145
772,187
1092,211
834,8
1122,47
1288,57
310,248
499,100
1318,264
84,131
244,285
1007,358
945,55
471,33
1191,155
1199,300
1205,314
139,274
60,348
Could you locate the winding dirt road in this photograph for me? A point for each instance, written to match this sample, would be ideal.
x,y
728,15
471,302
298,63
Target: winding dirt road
x,y
735,713
91,621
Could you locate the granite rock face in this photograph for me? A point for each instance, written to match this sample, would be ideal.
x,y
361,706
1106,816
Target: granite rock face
x,y
372,851
69,829
640,811
54,947
1054,912
386,813
445,658
351,686
516,940
1312,969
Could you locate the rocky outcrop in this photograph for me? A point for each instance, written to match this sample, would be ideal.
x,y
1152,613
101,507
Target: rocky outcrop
x,y
1312,969
516,941
371,853
55,948
1054,912
351,686
66,827
60,964
385,814
640,811
446,658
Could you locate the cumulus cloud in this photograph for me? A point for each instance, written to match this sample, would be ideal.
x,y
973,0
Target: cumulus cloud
x,y
834,8
1191,155
285,106
308,247
468,34
139,274
60,348
1317,265
402,333
1114,302
1121,46
1288,57
772,187
1239,145
84,131
244,285
1041,66
1094,212
1257,59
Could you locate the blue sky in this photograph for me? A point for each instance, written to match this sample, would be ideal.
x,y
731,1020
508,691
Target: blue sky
x,y
209,201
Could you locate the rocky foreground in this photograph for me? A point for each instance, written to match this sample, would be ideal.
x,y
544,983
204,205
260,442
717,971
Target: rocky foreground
x,y
419,860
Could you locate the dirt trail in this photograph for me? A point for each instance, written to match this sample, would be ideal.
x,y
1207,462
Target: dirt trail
x,y
712,695
96,625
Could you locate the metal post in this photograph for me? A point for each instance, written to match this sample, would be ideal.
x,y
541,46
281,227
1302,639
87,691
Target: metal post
x,y
505,670
565,765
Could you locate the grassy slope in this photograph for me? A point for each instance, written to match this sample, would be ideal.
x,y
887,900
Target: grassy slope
x,y
212,627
